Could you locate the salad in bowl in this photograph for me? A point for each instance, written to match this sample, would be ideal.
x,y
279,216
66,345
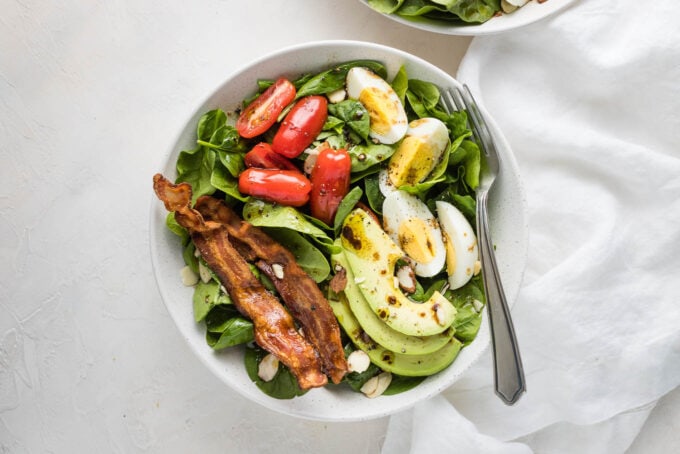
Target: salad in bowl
x,y
315,242
467,17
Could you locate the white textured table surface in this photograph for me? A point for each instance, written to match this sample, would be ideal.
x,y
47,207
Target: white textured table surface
x,y
92,94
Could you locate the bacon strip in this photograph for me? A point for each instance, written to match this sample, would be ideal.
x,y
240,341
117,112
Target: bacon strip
x,y
273,326
299,291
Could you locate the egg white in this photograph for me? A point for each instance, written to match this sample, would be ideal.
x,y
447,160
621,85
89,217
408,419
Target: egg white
x,y
399,208
462,242
388,117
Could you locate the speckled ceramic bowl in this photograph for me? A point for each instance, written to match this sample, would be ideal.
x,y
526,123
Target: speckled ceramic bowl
x,y
508,221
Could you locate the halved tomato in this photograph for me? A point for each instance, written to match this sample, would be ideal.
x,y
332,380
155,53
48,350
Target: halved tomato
x,y
330,183
287,187
262,113
263,157
301,126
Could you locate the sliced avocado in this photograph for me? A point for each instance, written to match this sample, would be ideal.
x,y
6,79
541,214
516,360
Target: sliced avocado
x,y
372,256
406,365
378,330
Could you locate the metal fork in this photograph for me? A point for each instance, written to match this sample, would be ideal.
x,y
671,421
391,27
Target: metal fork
x,y
508,370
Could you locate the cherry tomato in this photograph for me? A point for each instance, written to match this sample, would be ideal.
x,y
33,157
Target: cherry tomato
x,y
264,157
330,183
301,126
287,187
262,113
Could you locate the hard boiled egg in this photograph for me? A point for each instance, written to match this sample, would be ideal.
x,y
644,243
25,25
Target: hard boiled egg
x,y
419,152
415,230
462,255
388,122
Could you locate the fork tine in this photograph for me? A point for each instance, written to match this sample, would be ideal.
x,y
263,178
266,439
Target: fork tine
x,y
477,121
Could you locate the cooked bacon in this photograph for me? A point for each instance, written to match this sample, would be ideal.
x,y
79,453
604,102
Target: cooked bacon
x,y
274,327
301,294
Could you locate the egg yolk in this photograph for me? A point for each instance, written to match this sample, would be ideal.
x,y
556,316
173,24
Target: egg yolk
x,y
412,162
382,110
450,254
415,240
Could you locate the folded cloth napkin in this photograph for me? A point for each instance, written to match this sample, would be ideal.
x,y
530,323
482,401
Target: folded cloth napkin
x,y
589,101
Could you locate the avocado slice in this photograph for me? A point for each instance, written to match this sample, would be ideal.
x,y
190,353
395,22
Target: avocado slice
x,y
389,361
378,330
372,256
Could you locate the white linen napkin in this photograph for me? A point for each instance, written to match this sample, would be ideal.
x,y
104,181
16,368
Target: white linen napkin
x,y
590,102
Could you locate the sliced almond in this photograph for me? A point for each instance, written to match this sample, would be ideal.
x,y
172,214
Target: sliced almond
x,y
377,385
204,272
268,367
189,278
358,361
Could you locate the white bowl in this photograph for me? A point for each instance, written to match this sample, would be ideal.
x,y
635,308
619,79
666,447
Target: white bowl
x,y
508,221
528,14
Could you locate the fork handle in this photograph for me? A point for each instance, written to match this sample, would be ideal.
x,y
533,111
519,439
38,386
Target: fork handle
x,y
508,370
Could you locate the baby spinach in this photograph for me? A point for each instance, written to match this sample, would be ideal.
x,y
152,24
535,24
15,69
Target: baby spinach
x,y
373,195
206,297
310,258
457,11
334,79
469,316
353,114
282,386
400,384
347,204
264,214
234,331
217,159
367,156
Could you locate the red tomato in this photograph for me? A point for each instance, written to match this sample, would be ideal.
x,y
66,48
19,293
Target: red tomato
x,y
287,187
264,157
301,126
330,183
262,113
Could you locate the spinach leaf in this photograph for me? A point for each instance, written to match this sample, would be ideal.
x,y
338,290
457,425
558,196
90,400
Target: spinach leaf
x,y
310,259
353,114
235,331
195,167
263,214
400,84
366,156
189,257
282,386
206,297
464,11
400,384
423,98
346,206
469,315
225,138
469,155
474,11
385,6
373,195
334,78
222,179
209,123
175,228
217,160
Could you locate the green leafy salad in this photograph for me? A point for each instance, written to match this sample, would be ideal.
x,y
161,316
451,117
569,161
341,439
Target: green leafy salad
x,y
370,183
452,11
